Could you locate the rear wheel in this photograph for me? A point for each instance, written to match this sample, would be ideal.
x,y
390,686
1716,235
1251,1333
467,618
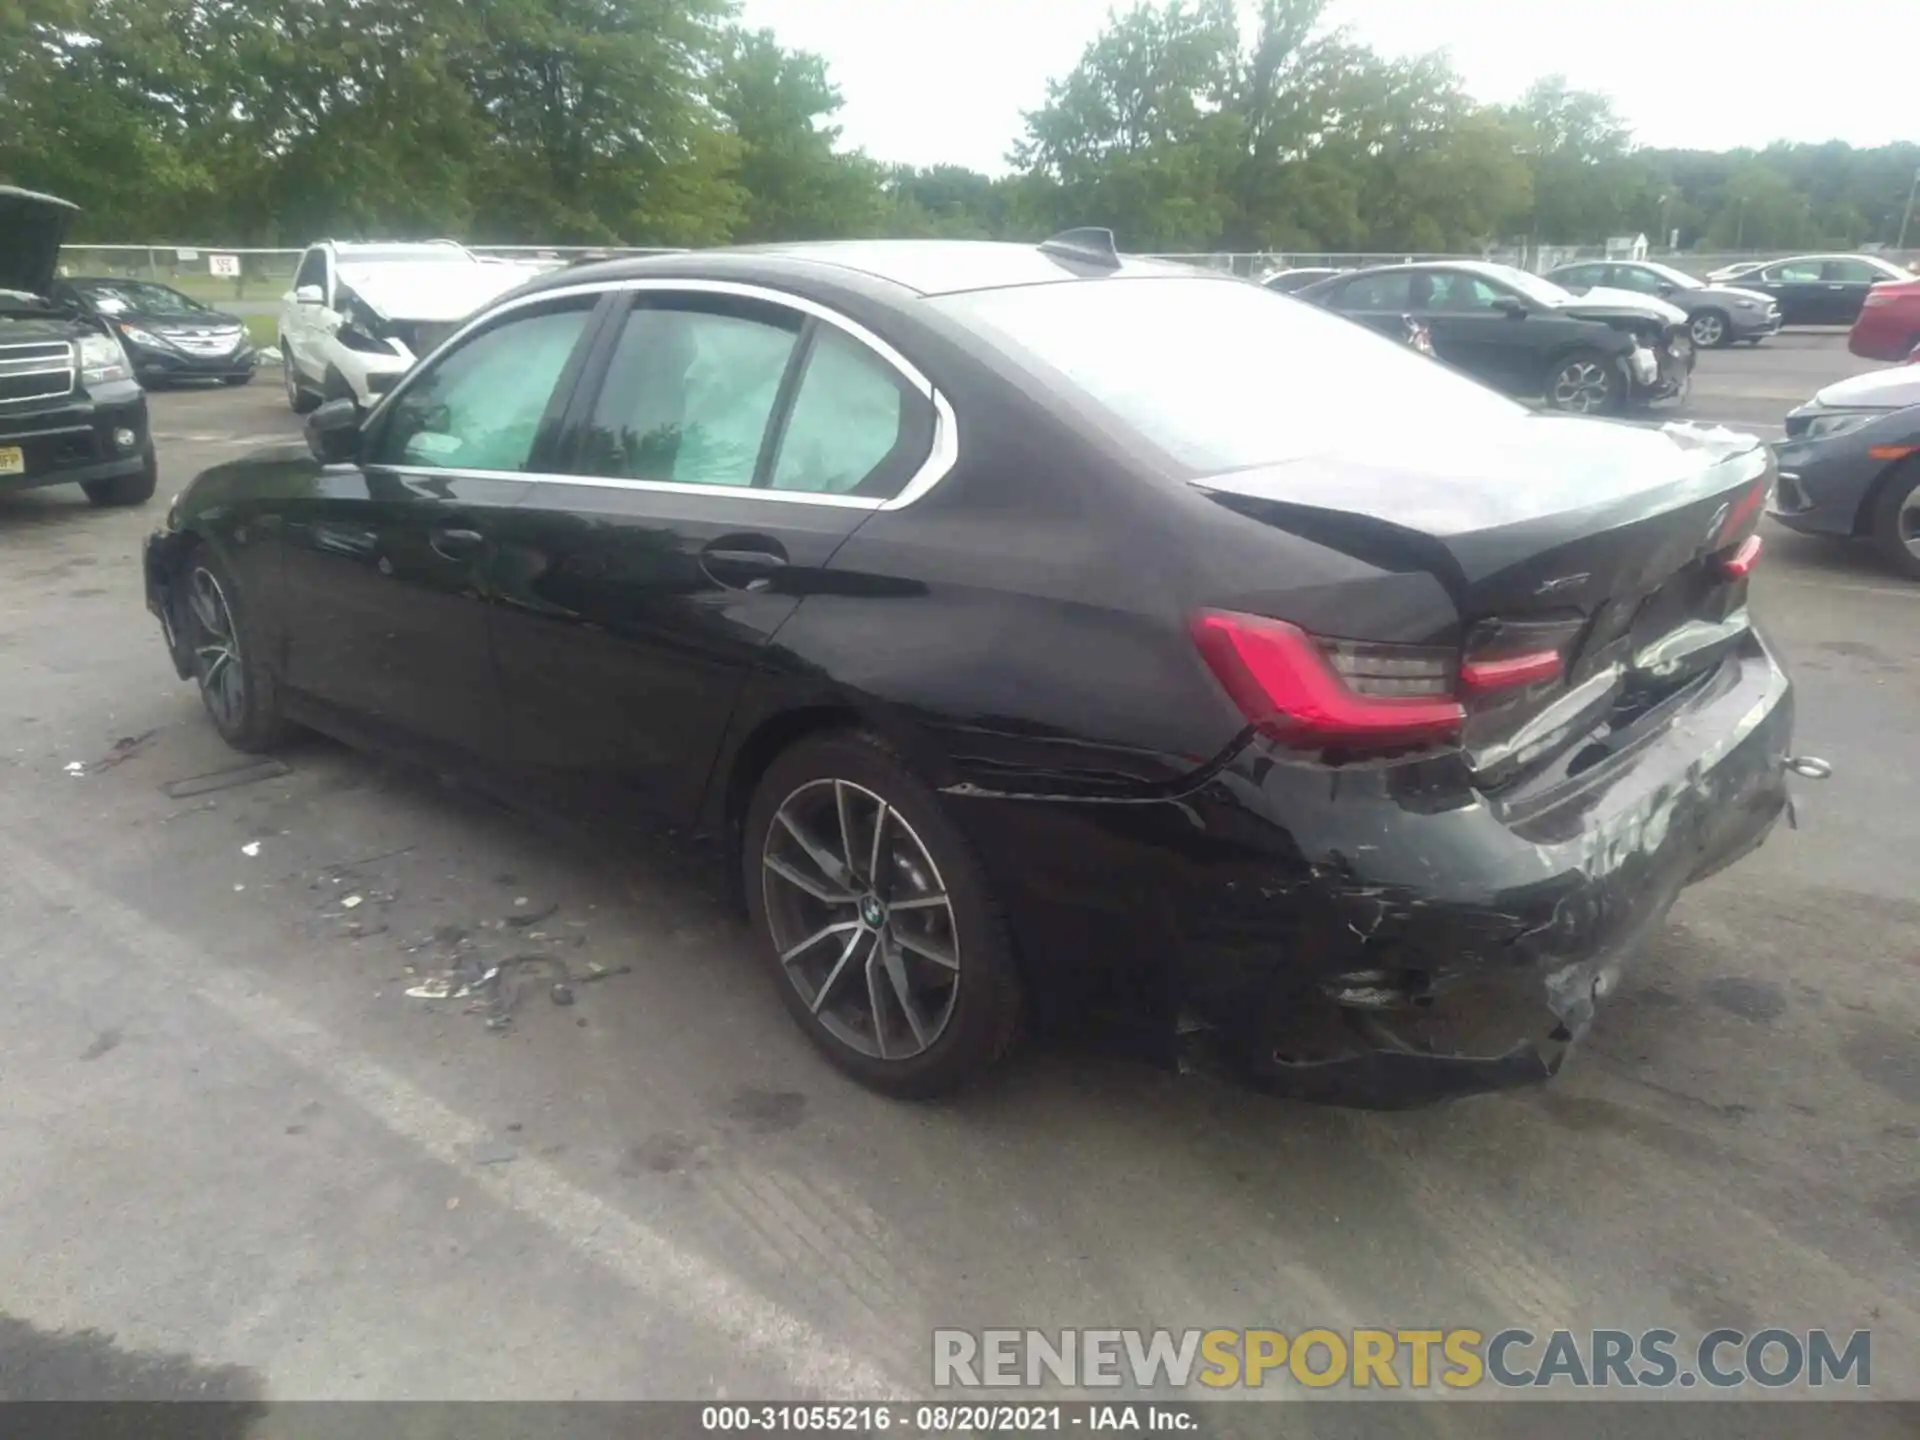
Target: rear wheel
x,y
1710,330
134,489
877,918
229,658
1895,524
1585,382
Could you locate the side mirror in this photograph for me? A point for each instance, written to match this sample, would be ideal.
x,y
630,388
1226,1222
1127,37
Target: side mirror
x,y
1666,290
1511,307
309,295
333,432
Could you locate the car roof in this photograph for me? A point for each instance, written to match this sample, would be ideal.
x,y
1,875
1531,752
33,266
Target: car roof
x,y
14,192
923,267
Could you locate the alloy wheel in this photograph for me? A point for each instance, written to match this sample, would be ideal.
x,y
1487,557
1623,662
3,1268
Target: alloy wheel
x,y
216,648
1708,331
861,919
1906,522
1581,386
286,375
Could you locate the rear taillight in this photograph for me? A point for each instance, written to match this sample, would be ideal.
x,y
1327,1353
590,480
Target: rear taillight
x,y
1530,668
1304,691
1739,563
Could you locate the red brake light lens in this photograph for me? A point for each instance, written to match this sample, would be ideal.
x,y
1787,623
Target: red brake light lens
x,y
1514,670
1740,563
1302,691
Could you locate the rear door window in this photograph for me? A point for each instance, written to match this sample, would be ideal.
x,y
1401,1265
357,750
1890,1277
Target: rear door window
x,y
1851,272
690,392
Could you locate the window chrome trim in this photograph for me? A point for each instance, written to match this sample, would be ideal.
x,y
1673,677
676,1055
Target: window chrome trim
x,y
942,455
614,482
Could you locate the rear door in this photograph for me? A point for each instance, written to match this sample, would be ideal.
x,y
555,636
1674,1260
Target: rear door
x,y
1844,285
723,446
388,560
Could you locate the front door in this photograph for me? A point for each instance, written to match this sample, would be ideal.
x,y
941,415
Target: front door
x,y
1471,330
300,323
388,559
728,448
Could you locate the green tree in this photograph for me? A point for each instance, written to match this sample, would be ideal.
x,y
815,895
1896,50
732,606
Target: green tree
x,y
796,183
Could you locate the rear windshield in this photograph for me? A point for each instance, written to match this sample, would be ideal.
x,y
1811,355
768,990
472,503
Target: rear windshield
x,y
1222,376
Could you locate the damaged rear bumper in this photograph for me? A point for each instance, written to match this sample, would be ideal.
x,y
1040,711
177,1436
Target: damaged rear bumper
x,y
1388,937
1486,975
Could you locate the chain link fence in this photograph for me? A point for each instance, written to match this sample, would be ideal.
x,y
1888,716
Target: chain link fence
x,y
240,274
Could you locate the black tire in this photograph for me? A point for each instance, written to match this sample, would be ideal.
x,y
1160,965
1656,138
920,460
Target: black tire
x,y
984,1004
1611,399
134,489
1895,521
255,724
299,400
246,379
1710,329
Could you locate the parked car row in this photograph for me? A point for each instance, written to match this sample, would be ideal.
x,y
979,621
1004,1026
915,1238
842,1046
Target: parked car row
x,y
1596,353
1717,315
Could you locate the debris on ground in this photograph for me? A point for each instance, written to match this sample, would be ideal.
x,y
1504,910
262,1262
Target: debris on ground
x,y
497,989
247,774
123,749
351,902
532,917
250,849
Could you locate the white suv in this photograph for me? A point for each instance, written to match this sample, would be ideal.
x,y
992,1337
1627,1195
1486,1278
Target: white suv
x,y
360,315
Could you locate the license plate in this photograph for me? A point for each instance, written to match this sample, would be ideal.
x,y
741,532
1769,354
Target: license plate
x,y
13,460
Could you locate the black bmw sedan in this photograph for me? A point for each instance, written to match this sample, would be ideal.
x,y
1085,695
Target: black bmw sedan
x,y
1039,634
167,334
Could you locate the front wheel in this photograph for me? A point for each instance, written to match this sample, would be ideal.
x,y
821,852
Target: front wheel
x,y
298,400
1585,382
1710,330
1895,524
229,658
134,489
878,920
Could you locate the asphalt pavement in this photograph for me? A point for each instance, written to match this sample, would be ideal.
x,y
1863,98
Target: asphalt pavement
x,y
238,1158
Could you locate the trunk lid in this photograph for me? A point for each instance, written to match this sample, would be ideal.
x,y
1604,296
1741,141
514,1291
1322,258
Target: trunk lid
x,y
1601,541
32,228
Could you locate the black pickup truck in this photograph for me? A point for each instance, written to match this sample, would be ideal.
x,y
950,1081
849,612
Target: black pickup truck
x,y
70,408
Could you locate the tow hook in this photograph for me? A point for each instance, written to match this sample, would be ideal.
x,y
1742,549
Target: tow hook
x,y
1807,767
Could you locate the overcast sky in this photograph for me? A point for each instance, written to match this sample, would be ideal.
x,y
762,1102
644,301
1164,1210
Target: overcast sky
x,y
930,81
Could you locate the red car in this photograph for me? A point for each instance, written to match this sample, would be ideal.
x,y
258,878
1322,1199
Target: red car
x,y
1889,323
